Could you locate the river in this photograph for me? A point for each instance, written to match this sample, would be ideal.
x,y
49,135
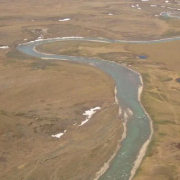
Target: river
x,y
138,127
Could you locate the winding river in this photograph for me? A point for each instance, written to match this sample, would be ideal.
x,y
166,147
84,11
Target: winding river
x,y
138,127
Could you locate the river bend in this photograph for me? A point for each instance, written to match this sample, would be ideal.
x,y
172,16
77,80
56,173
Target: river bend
x,y
128,83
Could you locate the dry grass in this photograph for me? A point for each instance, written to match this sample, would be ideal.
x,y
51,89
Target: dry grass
x,y
87,19
43,98
100,50
164,53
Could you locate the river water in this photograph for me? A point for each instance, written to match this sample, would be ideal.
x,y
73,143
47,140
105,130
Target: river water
x,y
127,84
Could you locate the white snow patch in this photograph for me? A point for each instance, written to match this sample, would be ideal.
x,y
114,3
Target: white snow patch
x,y
166,1
66,19
110,14
4,47
136,6
153,5
89,114
144,0
59,135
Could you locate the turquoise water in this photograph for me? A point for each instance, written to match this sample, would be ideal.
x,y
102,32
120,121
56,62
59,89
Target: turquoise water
x,y
127,84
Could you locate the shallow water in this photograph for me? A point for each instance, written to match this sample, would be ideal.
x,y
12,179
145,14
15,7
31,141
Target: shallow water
x,y
127,85
142,57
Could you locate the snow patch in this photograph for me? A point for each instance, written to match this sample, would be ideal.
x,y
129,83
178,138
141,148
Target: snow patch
x,y
59,135
66,19
4,47
136,6
110,14
153,5
89,114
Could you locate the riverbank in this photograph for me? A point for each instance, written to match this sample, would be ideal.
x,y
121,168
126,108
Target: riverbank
x,y
143,150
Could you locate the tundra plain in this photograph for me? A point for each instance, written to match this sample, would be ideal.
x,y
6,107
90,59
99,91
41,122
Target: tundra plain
x,y
40,98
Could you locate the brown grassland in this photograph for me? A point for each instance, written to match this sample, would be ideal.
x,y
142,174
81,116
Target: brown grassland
x,y
40,98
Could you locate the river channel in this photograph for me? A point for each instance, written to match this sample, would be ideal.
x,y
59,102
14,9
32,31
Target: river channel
x,y
128,83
